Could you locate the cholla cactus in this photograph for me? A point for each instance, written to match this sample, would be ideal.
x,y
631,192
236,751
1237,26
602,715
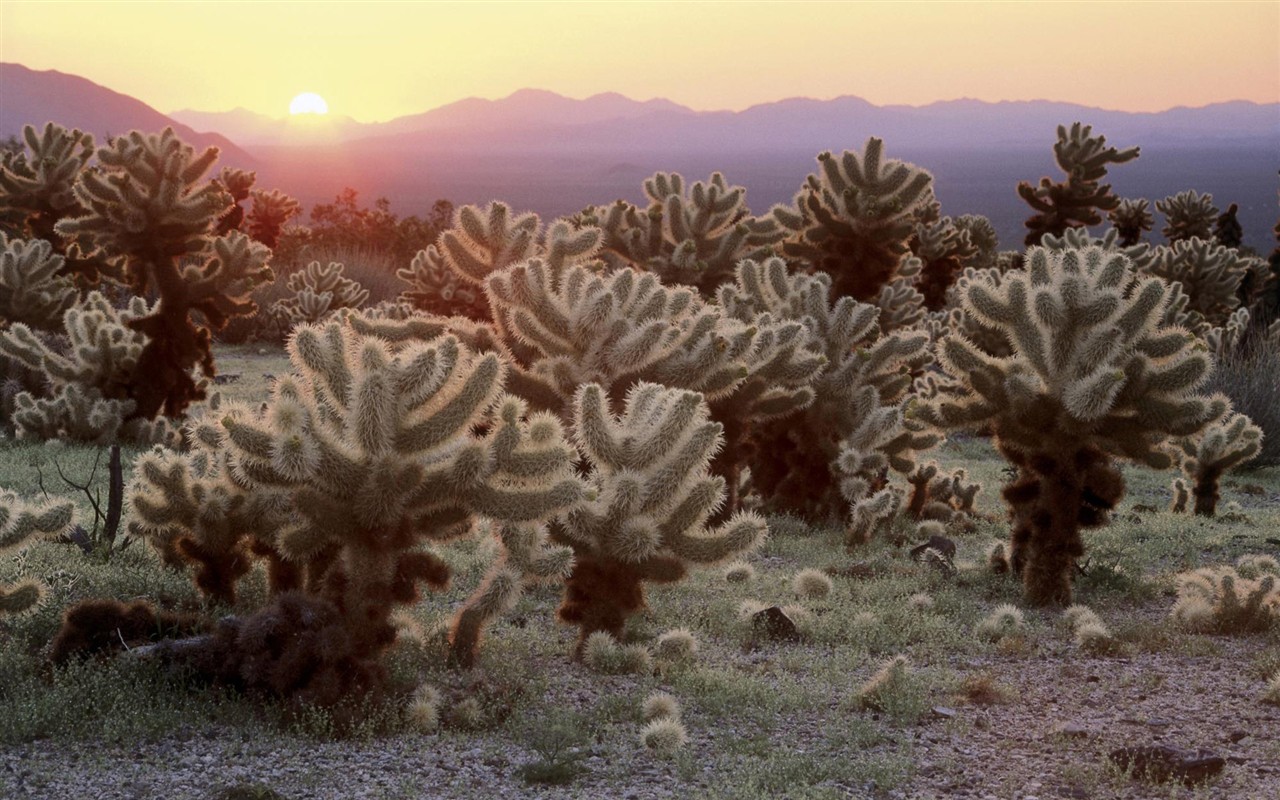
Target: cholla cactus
x,y
1227,230
983,238
855,218
146,211
269,214
1093,376
33,290
1188,215
692,235
37,186
1074,203
237,183
1210,275
20,523
364,459
436,289
483,242
944,250
319,290
653,495
941,497
1181,496
1208,455
1130,219
892,679
91,379
1220,600
859,394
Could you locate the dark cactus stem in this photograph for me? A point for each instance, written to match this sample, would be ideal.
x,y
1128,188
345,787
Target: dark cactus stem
x,y
1206,491
1049,502
1228,230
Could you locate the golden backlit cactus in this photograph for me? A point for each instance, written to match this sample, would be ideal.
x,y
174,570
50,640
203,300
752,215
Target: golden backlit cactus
x,y
1075,202
1188,215
854,219
944,250
37,187
364,459
1212,452
1210,275
1094,376
445,276
33,290
147,212
690,234
652,495
20,524
90,376
317,291
859,394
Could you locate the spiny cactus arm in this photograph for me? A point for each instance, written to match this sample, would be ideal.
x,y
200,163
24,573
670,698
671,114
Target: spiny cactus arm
x,y
486,240
436,289
741,534
1084,157
527,557
1188,215
33,289
36,184
20,524
220,288
237,183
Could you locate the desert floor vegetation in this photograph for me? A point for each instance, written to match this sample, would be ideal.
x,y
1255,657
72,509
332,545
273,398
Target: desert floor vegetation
x,y
1031,713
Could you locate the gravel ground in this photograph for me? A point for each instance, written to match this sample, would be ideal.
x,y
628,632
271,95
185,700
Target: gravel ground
x,y
1049,739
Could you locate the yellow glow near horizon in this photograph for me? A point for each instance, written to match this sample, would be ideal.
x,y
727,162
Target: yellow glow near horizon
x,y
378,60
308,103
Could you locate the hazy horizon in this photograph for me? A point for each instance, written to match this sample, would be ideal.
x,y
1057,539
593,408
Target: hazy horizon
x,y
388,60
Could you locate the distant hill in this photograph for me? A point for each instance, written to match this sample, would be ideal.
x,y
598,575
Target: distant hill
x,y
31,97
548,153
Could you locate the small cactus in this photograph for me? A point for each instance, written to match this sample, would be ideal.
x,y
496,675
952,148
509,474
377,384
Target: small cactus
x,y
664,736
1005,620
677,644
811,584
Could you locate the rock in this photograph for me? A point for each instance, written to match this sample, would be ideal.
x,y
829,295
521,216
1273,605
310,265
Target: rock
x,y
774,623
942,712
1159,763
940,543
226,377
1071,730
1236,736
860,570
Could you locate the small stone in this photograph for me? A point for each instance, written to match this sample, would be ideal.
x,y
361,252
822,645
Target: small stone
x,y
943,712
1160,763
1072,730
774,623
1236,736
940,543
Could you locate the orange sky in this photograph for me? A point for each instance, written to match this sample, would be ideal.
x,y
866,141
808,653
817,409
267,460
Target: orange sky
x,y
375,61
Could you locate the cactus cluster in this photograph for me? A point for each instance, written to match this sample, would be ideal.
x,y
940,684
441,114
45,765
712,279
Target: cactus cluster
x,y
1131,218
33,289
1223,600
20,524
91,375
1225,444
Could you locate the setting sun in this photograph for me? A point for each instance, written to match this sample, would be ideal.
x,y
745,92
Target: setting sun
x,y
308,103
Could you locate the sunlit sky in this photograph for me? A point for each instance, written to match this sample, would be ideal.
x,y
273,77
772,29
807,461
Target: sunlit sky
x,y
379,60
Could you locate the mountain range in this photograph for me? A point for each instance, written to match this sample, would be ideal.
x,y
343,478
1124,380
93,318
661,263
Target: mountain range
x,y
552,154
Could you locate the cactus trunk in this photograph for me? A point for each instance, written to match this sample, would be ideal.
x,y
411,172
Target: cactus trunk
x,y
1206,491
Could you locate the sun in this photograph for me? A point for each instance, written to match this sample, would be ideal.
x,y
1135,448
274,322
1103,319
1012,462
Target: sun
x,y
308,103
